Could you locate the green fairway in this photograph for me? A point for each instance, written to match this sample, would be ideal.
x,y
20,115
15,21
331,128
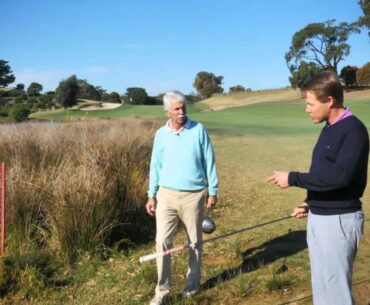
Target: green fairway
x,y
270,119
263,119
120,112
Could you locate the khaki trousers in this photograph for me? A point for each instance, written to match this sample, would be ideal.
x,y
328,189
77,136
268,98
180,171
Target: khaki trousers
x,y
173,206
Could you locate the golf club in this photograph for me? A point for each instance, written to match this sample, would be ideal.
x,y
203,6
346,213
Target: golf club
x,y
208,225
153,256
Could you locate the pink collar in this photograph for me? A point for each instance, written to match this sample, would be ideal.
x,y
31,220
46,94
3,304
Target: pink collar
x,y
345,114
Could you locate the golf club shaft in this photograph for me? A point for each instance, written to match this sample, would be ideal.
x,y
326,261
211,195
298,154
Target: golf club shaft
x,y
153,256
244,229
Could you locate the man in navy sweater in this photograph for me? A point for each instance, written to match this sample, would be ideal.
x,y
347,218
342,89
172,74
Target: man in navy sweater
x,y
335,183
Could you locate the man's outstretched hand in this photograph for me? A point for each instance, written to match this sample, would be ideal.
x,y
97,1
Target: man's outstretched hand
x,y
280,178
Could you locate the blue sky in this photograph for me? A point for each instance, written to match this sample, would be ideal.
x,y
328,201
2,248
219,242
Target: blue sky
x,y
162,44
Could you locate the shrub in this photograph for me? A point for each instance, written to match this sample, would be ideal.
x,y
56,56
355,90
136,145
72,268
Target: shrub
x,y
78,188
19,112
237,88
29,271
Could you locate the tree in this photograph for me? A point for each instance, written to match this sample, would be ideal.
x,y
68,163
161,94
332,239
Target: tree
x,y
302,73
20,87
136,96
364,21
34,89
112,97
363,75
237,88
191,97
21,99
45,102
208,84
100,90
19,112
115,97
321,43
88,91
6,76
348,75
67,92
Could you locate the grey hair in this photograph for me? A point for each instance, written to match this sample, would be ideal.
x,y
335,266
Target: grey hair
x,y
173,96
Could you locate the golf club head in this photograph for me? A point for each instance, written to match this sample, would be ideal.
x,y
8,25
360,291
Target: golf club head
x,y
208,225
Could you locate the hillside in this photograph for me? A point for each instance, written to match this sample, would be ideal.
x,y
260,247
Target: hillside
x,y
284,95
95,109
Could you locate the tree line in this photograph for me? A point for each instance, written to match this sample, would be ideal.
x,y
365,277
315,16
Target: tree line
x,y
18,102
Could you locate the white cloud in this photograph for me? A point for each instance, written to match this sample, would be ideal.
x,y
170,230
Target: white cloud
x,y
49,79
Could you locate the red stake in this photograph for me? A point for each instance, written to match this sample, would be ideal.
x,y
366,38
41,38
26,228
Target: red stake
x,y
2,207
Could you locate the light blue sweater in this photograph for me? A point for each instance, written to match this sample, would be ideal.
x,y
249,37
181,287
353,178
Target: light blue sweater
x,y
183,161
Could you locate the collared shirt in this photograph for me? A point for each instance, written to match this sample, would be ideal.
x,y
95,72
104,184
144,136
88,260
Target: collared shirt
x,y
169,128
345,114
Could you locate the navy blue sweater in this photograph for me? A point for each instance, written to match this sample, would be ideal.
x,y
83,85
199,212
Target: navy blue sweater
x,y
338,173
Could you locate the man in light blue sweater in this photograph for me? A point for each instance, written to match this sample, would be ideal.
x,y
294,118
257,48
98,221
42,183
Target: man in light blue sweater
x,y
182,176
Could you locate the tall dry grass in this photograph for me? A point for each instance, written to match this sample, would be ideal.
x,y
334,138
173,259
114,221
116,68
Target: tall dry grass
x,y
77,188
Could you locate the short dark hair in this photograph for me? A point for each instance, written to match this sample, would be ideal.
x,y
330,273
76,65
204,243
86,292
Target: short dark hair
x,y
323,85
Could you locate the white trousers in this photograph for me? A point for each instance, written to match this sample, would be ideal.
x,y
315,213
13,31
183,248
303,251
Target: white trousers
x,y
332,243
173,206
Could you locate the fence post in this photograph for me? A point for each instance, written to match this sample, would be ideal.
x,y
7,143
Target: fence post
x,y
2,208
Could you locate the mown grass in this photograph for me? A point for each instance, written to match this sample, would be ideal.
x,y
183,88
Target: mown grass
x,y
266,265
122,111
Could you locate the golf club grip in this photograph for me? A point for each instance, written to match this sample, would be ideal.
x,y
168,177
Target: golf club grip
x,y
152,256
149,257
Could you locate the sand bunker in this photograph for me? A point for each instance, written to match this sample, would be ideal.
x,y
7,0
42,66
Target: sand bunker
x,y
104,106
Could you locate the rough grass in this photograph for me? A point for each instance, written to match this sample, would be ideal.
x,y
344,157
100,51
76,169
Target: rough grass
x,y
266,265
73,190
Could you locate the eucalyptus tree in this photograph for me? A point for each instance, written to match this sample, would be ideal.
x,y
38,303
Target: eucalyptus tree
x,y
208,84
324,44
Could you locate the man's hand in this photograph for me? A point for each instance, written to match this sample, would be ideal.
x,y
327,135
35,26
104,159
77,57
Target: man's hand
x,y
301,211
280,178
211,201
150,206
